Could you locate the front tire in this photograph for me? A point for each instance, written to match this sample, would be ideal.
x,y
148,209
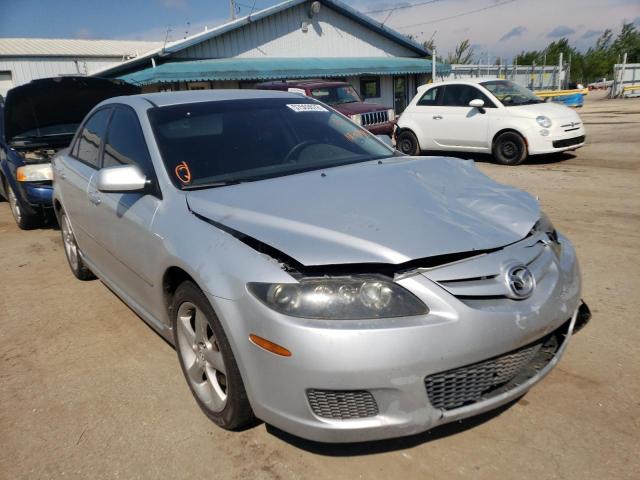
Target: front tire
x,y
72,251
207,361
509,148
24,220
407,143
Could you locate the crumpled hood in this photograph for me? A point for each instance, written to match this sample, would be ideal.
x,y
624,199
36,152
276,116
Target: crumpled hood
x,y
403,209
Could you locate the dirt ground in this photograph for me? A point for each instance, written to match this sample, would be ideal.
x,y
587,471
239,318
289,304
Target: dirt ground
x,y
88,390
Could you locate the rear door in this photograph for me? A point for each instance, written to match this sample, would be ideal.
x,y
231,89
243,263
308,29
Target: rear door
x,y
74,172
124,220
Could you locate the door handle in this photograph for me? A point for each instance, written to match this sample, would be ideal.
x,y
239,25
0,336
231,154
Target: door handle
x,y
437,117
95,198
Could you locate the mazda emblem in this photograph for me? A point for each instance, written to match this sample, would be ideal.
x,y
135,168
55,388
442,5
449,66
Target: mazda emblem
x,y
520,282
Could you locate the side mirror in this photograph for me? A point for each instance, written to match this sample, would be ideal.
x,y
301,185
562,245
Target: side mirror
x,y
477,103
122,179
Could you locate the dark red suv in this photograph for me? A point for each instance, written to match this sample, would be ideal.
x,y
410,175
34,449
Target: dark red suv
x,y
376,118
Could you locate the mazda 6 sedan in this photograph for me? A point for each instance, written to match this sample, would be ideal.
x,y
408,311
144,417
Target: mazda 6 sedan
x,y
309,275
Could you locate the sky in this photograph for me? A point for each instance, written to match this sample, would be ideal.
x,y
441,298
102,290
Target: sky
x,y
496,28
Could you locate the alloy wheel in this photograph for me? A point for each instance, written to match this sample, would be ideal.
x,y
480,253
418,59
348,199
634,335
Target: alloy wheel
x,y
203,363
69,241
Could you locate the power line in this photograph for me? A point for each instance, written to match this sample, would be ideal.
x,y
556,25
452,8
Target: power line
x,y
400,7
458,15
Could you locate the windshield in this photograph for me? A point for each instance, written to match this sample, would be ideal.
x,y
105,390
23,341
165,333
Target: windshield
x,y
218,143
336,95
510,93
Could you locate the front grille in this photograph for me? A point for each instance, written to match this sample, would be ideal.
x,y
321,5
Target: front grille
x,y
342,404
568,142
374,118
570,127
466,385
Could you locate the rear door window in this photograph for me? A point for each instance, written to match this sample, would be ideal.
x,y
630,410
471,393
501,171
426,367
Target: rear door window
x,y
90,141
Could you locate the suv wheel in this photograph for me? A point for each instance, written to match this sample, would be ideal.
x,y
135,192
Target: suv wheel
x,y
207,361
72,251
407,143
509,149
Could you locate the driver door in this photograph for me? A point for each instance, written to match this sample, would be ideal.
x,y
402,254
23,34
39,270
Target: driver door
x,y
456,125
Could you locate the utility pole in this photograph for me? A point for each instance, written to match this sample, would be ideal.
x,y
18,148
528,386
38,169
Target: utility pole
x,y
232,9
433,66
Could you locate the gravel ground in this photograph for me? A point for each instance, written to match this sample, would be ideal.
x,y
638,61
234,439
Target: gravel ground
x,y
88,390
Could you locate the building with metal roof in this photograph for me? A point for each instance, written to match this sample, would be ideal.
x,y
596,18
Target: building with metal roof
x,y
293,39
25,59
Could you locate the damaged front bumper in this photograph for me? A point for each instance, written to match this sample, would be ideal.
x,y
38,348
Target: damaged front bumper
x,y
360,380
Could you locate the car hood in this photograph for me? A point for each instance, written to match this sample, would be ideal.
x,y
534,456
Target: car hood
x,y
392,212
359,107
54,101
549,109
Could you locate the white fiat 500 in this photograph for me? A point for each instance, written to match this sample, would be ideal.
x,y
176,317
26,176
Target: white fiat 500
x,y
487,116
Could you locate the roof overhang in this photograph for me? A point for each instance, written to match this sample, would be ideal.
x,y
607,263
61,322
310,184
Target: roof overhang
x,y
280,68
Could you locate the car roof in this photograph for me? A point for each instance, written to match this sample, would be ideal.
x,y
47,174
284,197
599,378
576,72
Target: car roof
x,y
461,81
163,99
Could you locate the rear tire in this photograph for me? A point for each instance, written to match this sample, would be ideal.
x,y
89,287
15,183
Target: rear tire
x,y
24,220
207,361
509,148
407,143
72,251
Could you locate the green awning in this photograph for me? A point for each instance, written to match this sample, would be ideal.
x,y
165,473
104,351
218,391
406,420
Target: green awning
x,y
280,68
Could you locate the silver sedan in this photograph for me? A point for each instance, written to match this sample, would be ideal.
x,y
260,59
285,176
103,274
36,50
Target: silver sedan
x,y
308,274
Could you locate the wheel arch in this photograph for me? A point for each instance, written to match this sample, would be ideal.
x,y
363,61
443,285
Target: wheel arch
x,y
512,130
172,278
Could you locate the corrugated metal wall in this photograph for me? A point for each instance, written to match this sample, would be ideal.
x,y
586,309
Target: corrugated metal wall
x,y
23,70
329,34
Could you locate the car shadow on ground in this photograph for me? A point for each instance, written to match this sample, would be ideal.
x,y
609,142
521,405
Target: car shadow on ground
x,y
486,158
381,446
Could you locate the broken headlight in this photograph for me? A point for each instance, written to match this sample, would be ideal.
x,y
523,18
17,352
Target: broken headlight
x,y
545,226
339,298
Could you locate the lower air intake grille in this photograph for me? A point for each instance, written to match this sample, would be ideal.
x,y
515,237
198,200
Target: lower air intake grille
x,y
568,142
467,385
342,404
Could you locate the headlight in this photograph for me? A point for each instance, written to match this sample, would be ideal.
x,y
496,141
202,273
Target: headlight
x,y
35,173
339,298
543,121
357,118
391,114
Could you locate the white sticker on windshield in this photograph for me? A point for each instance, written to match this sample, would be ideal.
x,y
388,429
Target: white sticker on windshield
x,y
306,107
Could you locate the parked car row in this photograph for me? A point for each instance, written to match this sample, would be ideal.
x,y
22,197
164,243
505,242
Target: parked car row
x,y
308,274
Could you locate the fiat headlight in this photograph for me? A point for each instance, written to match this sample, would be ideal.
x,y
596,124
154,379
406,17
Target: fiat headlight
x,y
40,172
339,298
544,122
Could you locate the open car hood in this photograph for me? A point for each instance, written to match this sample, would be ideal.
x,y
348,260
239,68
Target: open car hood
x,y
54,101
401,210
